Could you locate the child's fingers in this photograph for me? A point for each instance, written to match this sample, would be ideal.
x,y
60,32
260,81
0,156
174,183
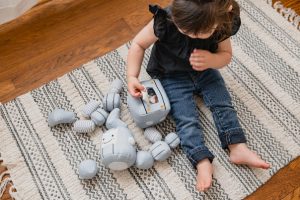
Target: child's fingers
x,y
135,93
134,87
131,92
198,62
138,94
198,67
197,59
140,87
135,90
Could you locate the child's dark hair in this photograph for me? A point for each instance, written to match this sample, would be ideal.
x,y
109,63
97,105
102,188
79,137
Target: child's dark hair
x,y
200,16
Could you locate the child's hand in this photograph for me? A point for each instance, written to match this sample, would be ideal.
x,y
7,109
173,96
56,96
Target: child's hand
x,y
134,86
201,59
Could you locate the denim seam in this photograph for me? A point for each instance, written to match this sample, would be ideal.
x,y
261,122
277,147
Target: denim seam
x,y
217,113
191,158
228,138
229,134
199,150
232,131
196,114
219,119
193,81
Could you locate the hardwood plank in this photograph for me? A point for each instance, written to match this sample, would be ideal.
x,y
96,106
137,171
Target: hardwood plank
x,y
295,195
50,66
281,184
6,86
293,4
52,48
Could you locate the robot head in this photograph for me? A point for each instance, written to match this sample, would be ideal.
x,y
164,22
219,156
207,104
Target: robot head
x,y
109,137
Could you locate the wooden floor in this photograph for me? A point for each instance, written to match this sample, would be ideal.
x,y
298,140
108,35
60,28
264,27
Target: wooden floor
x,y
293,4
57,36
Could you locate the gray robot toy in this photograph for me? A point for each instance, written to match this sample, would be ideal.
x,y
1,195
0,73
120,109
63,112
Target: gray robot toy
x,y
160,150
118,151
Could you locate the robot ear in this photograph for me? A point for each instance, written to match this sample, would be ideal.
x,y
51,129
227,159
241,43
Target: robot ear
x,y
131,141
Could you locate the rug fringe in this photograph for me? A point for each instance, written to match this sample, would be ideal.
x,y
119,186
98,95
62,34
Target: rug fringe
x,y
288,13
5,182
13,193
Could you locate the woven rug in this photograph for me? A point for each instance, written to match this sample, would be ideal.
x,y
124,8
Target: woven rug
x,y
263,79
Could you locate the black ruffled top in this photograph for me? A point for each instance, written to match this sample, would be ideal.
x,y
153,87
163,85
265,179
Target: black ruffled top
x,y
171,52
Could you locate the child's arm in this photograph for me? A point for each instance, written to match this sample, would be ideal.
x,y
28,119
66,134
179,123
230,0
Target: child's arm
x,y
202,59
140,43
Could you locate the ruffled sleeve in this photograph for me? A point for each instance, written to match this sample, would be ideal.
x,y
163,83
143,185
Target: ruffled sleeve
x,y
235,25
160,25
234,29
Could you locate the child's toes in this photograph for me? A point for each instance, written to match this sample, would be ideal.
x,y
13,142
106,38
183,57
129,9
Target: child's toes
x,y
265,166
206,185
199,187
203,186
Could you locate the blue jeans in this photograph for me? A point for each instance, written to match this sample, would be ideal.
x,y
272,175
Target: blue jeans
x,y
209,84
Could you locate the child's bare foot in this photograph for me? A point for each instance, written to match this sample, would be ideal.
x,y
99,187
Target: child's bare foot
x,y
241,154
204,175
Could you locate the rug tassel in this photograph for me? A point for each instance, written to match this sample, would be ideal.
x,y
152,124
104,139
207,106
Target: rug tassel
x,y
288,13
13,193
4,183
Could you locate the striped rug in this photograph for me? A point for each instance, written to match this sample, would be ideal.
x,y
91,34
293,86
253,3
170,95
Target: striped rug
x,y
263,79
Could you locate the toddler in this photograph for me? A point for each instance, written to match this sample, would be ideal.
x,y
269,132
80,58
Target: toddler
x,y
191,42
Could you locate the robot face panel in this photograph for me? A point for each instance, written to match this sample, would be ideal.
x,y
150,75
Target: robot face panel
x,y
150,91
109,137
152,95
